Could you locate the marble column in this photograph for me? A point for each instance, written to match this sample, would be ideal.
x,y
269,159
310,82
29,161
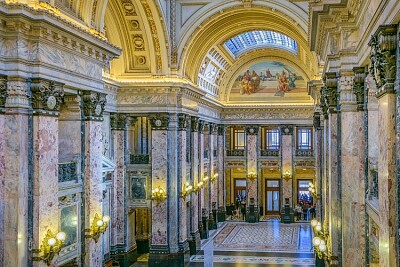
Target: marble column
x,y
252,166
287,163
220,168
14,177
202,206
383,61
324,164
213,172
318,157
46,99
352,166
182,180
93,104
119,211
194,241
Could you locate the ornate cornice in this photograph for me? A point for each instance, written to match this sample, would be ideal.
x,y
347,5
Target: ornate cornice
x,y
118,121
46,96
93,105
286,129
330,90
252,129
3,92
383,58
183,122
159,121
358,86
194,121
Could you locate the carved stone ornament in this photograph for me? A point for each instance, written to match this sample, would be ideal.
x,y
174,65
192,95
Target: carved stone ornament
x,y
287,129
3,91
194,123
213,128
159,121
202,125
118,121
221,129
252,130
46,95
322,104
330,90
94,105
183,122
358,86
383,58
316,121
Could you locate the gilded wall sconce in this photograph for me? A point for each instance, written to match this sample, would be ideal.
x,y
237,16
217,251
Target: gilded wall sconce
x,y
252,175
320,241
214,177
51,246
313,191
187,189
287,175
158,194
198,187
98,227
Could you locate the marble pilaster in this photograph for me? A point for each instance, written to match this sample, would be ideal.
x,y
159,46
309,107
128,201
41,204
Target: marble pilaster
x,y
221,172
93,104
213,167
318,154
287,164
46,100
14,176
201,193
252,166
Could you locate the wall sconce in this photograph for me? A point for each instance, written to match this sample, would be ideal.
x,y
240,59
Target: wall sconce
x,y
252,175
158,194
320,241
287,175
51,246
98,227
214,177
198,187
311,188
187,189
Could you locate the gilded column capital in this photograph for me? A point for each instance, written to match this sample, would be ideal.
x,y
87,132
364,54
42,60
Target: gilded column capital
x,y
46,96
118,121
383,45
159,121
213,128
359,86
194,122
287,129
330,91
221,129
183,122
17,93
93,105
3,92
252,129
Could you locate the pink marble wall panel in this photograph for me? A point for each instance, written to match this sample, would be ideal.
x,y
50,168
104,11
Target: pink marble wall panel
x,y
93,187
183,219
45,199
287,163
386,174
221,172
14,197
159,178
252,187
353,204
195,175
118,224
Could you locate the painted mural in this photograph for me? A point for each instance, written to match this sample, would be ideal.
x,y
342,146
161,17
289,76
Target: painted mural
x,y
269,79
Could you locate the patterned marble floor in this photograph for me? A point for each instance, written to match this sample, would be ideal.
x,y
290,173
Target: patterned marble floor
x,y
262,244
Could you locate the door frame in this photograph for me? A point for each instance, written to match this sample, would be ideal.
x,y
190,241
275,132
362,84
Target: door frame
x,y
277,189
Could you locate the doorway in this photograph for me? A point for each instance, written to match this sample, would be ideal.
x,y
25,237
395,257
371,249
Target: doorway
x,y
272,197
303,194
240,191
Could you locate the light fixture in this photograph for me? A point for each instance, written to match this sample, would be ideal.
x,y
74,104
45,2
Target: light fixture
x,y
51,246
251,175
187,189
312,190
319,241
287,175
98,227
214,177
198,187
158,194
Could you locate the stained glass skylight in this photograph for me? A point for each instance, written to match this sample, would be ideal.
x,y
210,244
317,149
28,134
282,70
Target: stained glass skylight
x,y
256,39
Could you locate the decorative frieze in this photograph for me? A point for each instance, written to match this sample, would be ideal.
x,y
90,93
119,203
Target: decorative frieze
x,y
183,121
194,121
383,58
46,96
118,121
252,129
159,121
330,91
93,105
358,86
287,129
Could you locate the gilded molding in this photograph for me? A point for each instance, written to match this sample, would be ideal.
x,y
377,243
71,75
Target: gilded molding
x,y
118,121
159,121
383,58
252,129
46,96
359,86
93,105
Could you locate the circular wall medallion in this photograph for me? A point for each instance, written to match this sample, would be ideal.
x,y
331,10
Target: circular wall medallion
x,y
158,123
51,102
97,111
287,130
251,130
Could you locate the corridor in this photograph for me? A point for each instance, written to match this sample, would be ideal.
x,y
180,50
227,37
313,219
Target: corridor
x,y
262,244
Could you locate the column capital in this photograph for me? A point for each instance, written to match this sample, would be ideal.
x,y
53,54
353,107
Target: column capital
x,y
252,129
118,121
359,86
159,121
330,91
287,129
347,98
183,121
47,96
322,104
383,45
3,92
202,126
93,105
221,129
17,93
213,128
131,120
194,123
317,120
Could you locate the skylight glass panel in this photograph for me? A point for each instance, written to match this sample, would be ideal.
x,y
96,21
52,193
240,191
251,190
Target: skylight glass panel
x,y
256,39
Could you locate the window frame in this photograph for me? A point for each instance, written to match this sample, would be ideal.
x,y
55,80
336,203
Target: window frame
x,y
266,136
235,131
299,138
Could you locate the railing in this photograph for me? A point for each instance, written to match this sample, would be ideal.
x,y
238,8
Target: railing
x,y
269,153
304,152
235,152
67,172
139,159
